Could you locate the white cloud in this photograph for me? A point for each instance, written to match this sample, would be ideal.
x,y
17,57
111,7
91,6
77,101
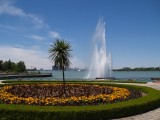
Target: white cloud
x,y
36,37
37,21
54,34
7,7
31,57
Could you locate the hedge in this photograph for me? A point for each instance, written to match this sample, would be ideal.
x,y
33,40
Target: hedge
x,y
99,112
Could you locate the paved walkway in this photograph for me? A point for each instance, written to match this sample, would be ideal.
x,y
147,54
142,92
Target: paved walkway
x,y
1,82
149,84
151,115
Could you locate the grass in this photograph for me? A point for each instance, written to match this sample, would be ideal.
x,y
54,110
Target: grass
x,y
98,112
75,81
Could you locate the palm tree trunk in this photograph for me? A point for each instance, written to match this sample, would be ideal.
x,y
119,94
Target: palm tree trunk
x,y
64,87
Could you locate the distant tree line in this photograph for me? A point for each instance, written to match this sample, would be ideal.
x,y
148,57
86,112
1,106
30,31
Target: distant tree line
x,y
9,66
139,69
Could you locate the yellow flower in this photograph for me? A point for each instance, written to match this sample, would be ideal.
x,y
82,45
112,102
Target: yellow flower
x,y
118,93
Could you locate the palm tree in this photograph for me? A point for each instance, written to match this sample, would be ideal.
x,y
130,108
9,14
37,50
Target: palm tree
x,y
60,54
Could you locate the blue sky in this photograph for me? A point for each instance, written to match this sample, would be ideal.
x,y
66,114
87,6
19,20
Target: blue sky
x,y
28,27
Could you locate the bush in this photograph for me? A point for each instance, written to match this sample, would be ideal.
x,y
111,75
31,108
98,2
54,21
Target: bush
x,y
98,112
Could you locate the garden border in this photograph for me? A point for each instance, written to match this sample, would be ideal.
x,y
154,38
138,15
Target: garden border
x,y
106,111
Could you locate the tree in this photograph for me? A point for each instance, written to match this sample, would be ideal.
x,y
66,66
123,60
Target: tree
x,y
5,66
13,66
60,54
1,65
9,65
20,67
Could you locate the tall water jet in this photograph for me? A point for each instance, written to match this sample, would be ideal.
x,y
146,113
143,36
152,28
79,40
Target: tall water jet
x,y
109,67
101,64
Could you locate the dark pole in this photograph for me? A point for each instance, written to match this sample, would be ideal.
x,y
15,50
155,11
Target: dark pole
x,y
64,88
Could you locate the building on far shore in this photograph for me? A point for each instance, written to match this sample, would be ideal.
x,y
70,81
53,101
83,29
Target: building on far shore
x,y
55,67
72,69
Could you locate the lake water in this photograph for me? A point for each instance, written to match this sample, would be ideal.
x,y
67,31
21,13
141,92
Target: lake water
x,y
122,75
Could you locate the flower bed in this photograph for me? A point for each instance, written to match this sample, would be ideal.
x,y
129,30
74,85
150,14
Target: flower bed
x,y
76,94
89,112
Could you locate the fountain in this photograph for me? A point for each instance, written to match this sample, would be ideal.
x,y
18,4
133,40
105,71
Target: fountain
x,y
101,64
